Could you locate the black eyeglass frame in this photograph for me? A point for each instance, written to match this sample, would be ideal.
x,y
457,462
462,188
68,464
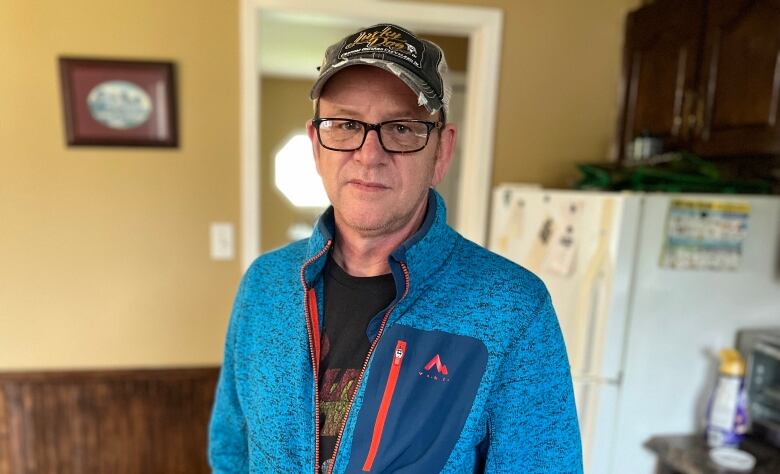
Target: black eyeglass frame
x,y
367,127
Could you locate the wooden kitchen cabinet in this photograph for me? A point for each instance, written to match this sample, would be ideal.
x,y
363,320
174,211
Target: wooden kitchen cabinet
x,y
660,63
740,81
702,75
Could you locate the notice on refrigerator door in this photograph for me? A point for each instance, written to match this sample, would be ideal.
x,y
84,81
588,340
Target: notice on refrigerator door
x,y
562,252
705,235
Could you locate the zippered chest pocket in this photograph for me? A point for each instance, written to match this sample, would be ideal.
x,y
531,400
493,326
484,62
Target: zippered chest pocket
x,y
418,395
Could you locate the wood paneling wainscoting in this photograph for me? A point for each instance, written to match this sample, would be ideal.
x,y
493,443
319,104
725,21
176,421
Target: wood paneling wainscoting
x,y
107,421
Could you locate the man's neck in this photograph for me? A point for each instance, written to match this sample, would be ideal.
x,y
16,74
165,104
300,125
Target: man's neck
x,y
367,255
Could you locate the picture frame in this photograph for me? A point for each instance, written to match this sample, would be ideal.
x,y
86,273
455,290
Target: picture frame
x,y
111,102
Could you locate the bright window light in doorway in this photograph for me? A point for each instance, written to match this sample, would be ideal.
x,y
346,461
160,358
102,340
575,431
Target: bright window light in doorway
x,y
296,176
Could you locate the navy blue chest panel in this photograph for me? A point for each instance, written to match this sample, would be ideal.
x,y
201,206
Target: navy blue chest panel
x,y
418,396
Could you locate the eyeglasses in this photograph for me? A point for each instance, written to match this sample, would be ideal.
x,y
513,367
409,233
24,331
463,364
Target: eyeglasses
x,y
395,136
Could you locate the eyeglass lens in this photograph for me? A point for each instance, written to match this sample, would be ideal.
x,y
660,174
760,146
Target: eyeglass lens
x,y
395,136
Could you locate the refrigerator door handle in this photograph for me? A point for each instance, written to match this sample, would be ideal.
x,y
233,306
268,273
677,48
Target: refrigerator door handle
x,y
597,379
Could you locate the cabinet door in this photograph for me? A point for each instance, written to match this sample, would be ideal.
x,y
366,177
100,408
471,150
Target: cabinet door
x,y
660,63
741,79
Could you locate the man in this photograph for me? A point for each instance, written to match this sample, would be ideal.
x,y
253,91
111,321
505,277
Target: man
x,y
386,342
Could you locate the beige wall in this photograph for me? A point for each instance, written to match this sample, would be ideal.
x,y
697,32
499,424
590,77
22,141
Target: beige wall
x,y
286,108
558,86
104,251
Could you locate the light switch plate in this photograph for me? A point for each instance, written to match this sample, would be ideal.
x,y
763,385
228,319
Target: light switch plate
x,y
222,237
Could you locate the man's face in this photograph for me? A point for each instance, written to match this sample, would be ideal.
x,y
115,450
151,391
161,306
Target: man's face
x,y
372,191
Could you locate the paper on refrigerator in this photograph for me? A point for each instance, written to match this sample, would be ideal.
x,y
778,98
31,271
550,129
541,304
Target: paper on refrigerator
x,y
705,235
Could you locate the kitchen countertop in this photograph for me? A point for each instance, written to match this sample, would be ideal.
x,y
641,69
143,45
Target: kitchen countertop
x,y
689,454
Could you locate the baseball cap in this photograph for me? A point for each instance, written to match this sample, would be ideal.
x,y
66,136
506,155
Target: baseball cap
x,y
419,63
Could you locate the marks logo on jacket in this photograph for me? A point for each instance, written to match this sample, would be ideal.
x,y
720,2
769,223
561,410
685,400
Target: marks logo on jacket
x,y
435,370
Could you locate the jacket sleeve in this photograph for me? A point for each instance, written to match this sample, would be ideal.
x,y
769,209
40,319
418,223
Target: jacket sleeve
x,y
227,447
532,417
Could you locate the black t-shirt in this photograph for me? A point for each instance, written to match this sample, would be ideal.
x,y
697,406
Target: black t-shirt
x,y
350,304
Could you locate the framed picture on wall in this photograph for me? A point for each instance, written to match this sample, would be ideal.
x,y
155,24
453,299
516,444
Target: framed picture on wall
x,y
119,102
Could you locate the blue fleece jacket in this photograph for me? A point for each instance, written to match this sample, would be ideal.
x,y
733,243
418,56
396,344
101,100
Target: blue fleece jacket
x,y
467,371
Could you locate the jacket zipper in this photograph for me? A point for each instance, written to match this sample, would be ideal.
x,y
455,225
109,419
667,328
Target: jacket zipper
x,y
384,406
313,330
365,366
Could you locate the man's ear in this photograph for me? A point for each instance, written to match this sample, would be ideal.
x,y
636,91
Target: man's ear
x,y
315,144
444,153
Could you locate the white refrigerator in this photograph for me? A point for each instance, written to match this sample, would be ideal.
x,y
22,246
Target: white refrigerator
x,y
647,288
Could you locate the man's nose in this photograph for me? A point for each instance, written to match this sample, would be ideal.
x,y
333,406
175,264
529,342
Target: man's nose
x,y
371,152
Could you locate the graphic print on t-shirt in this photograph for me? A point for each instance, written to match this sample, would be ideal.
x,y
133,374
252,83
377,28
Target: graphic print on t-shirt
x,y
336,389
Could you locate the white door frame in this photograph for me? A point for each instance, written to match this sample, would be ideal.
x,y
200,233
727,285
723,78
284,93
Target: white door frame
x,y
483,26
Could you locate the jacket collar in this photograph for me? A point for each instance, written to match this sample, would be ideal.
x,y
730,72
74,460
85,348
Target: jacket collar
x,y
422,253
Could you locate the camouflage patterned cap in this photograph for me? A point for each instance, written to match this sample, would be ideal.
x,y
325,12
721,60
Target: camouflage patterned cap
x,y
419,63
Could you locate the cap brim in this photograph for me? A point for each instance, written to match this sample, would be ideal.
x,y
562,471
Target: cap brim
x,y
425,95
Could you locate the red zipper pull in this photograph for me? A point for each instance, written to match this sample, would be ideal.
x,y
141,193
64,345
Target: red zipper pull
x,y
400,351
